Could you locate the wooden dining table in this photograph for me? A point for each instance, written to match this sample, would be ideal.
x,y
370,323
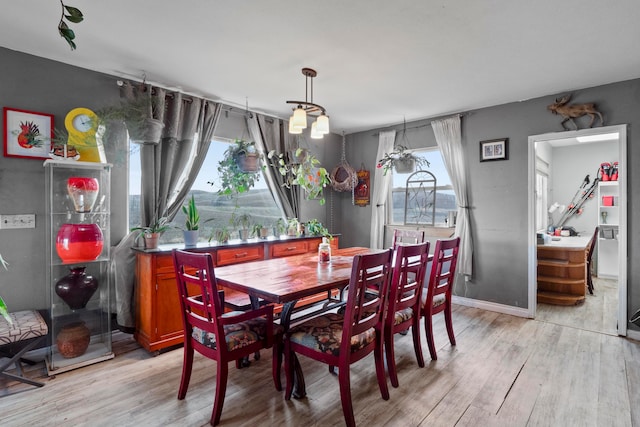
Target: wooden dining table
x,y
286,280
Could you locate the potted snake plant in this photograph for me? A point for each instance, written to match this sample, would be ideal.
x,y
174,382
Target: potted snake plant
x,y
192,223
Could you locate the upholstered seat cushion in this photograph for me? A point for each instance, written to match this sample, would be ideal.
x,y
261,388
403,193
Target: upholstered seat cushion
x,y
25,325
437,300
403,315
324,334
237,335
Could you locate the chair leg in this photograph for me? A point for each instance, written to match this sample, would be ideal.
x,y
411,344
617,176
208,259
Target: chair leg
x,y
391,360
417,345
277,363
221,389
428,330
449,323
345,394
378,354
187,364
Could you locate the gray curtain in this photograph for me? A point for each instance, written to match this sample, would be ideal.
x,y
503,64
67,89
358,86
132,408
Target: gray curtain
x,y
168,171
269,134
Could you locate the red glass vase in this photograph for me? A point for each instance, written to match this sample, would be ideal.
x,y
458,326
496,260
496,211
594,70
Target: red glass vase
x,y
76,288
79,242
83,191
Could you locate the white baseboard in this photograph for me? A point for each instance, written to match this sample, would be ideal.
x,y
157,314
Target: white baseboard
x,y
491,306
634,335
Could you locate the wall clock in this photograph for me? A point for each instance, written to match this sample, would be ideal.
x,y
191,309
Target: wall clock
x,y
85,134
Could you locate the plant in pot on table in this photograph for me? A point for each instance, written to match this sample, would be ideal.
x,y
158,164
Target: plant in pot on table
x,y
192,223
151,232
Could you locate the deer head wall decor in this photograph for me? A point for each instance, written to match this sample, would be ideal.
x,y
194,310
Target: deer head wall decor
x,y
569,112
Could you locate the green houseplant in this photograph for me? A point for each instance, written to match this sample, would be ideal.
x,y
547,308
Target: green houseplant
x,y
152,232
243,223
192,222
279,228
3,307
315,228
259,230
402,159
308,174
237,170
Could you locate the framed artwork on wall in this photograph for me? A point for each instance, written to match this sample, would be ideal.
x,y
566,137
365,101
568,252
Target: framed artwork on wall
x,y
494,149
27,134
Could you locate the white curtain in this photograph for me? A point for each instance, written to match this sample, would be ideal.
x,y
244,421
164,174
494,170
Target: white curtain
x,y
449,139
380,191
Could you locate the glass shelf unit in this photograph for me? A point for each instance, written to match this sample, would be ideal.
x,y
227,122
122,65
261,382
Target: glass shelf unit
x,y
80,332
608,221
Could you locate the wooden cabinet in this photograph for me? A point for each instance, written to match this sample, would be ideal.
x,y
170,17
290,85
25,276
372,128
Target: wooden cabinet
x,y
562,271
158,321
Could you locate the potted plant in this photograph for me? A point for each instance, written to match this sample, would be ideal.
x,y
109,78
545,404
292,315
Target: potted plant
x,y
292,226
192,223
151,232
402,159
260,231
221,235
3,307
279,228
237,170
307,173
243,222
315,228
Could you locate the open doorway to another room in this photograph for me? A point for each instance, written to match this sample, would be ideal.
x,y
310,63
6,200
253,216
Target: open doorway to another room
x,y
572,190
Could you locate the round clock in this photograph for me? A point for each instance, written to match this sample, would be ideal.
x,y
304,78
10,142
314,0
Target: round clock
x,y
81,120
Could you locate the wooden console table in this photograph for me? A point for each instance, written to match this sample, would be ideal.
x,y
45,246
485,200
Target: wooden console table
x,y
562,270
158,320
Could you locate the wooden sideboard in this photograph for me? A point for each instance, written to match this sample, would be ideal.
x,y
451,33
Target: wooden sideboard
x,y
158,320
562,270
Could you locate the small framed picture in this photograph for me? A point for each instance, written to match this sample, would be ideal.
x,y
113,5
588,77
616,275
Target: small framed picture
x,y
27,134
495,149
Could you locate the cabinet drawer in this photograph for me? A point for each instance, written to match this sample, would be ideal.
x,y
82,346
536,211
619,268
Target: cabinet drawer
x,y
238,255
289,248
164,263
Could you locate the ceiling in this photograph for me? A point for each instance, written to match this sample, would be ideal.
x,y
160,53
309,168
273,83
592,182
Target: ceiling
x,y
379,62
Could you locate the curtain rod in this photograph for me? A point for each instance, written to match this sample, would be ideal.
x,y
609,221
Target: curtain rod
x,y
419,126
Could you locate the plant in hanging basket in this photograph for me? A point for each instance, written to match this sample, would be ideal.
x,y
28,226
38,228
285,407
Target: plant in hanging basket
x,y
307,174
402,159
238,169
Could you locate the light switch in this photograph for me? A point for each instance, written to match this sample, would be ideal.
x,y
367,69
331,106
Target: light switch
x,y
18,221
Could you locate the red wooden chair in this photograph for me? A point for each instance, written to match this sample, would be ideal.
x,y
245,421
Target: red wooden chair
x,y
592,246
407,237
404,303
342,339
205,325
438,296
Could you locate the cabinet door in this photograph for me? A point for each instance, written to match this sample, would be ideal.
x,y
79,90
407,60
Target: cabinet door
x,y
168,320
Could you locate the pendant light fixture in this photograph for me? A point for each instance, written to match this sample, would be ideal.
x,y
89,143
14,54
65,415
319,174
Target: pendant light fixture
x,y
298,121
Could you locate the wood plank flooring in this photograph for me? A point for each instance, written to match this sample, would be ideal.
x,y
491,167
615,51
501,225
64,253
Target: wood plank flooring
x,y
505,371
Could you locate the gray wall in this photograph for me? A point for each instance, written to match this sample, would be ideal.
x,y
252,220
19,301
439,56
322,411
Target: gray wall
x,y
36,84
498,190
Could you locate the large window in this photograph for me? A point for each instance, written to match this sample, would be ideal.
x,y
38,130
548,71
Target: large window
x,y
445,198
215,211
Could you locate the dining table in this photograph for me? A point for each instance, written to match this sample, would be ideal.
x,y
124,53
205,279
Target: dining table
x,y
288,279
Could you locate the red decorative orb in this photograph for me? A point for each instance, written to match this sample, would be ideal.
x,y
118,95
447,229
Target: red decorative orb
x,y
79,242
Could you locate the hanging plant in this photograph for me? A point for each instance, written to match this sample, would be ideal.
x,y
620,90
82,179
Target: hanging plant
x,y
307,173
403,158
71,14
235,175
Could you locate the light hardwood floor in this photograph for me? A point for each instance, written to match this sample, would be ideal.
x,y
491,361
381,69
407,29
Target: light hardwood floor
x,y
505,371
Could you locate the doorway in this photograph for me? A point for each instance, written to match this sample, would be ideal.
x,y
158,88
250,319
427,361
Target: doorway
x,y
537,222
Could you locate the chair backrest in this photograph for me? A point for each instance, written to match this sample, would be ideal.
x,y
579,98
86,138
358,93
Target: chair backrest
x,y
407,237
407,280
199,299
592,243
443,268
368,288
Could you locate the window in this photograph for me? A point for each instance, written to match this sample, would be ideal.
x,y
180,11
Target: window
x,y
445,196
215,211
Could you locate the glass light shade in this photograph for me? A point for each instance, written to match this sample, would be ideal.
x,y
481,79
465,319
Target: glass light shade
x,y
323,124
314,131
292,129
299,118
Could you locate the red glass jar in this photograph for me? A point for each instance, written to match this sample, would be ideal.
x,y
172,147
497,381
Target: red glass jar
x,y
83,191
79,242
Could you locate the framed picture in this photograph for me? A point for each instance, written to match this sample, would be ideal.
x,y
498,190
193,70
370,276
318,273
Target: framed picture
x,y
495,149
27,134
